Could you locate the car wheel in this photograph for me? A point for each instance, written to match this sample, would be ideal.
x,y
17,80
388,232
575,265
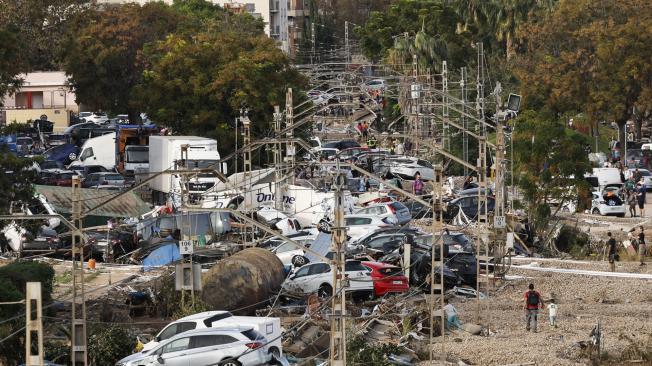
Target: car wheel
x,y
595,211
275,351
324,226
299,260
230,362
325,291
72,156
565,209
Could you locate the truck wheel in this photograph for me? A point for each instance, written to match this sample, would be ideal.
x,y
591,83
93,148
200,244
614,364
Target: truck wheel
x,y
299,260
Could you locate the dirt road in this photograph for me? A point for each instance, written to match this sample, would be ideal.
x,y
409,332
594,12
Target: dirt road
x,y
622,305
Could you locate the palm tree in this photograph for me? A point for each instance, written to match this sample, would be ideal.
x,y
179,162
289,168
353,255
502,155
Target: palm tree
x,y
430,50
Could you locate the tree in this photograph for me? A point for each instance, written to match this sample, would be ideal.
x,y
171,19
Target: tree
x,y
432,25
11,61
197,83
550,166
15,181
589,56
104,57
42,26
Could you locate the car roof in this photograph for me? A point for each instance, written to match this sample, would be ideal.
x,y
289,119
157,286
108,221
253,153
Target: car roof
x,y
202,315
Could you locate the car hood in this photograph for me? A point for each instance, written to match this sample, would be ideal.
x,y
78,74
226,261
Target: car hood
x,y
134,357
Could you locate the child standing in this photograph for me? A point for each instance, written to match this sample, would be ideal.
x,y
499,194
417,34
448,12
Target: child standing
x,y
552,313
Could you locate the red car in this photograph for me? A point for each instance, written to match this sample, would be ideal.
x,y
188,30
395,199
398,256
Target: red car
x,y
387,278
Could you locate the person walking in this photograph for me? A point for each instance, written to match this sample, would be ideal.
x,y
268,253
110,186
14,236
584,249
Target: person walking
x,y
611,251
365,130
552,313
631,201
417,185
642,247
640,196
532,304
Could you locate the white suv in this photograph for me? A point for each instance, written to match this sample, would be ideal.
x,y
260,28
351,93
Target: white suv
x,y
233,346
269,327
317,277
391,212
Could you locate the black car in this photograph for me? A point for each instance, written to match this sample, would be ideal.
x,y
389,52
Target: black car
x,y
340,145
468,205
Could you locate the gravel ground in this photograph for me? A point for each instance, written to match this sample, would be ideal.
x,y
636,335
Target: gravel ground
x,y
624,307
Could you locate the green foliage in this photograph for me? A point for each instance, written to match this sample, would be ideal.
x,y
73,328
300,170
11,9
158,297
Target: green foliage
x,y
197,83
13,279
360,352
38,29
589,56
104,56
550,165
11,62
15,186
106,345
433,23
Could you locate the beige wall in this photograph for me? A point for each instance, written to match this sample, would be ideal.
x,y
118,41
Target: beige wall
x,y
59,116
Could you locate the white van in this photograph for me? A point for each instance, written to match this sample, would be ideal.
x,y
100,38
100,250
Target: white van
x,y
97,151
605,177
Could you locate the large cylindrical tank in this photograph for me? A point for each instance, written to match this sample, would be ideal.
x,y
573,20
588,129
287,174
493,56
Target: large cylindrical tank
x,y
243,282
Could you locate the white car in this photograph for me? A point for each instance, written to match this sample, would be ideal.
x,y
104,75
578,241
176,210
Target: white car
x,y
395,213
358,225
232,346
319,97
647,176
317,277
608,205
276,219
268,327
289,254
408,167
96,117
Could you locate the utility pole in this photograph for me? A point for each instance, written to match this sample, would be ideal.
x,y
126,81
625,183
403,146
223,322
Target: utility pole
x,y
290,150
78,335
312,39
338,317
437,227
445,142
465,136
278,117
34,324
347,48
415,105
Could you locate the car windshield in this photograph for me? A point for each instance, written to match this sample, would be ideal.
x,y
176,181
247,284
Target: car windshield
x,y
58,137
138,154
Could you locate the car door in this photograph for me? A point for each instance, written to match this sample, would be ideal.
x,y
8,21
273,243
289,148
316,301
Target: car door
x,y
319,273
175,353
208,349
359,276
298,280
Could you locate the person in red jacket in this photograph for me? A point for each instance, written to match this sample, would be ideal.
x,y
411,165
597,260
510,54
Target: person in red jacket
x,y
532,304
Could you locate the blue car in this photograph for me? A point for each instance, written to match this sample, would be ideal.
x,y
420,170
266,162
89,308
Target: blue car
x,y
65,153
